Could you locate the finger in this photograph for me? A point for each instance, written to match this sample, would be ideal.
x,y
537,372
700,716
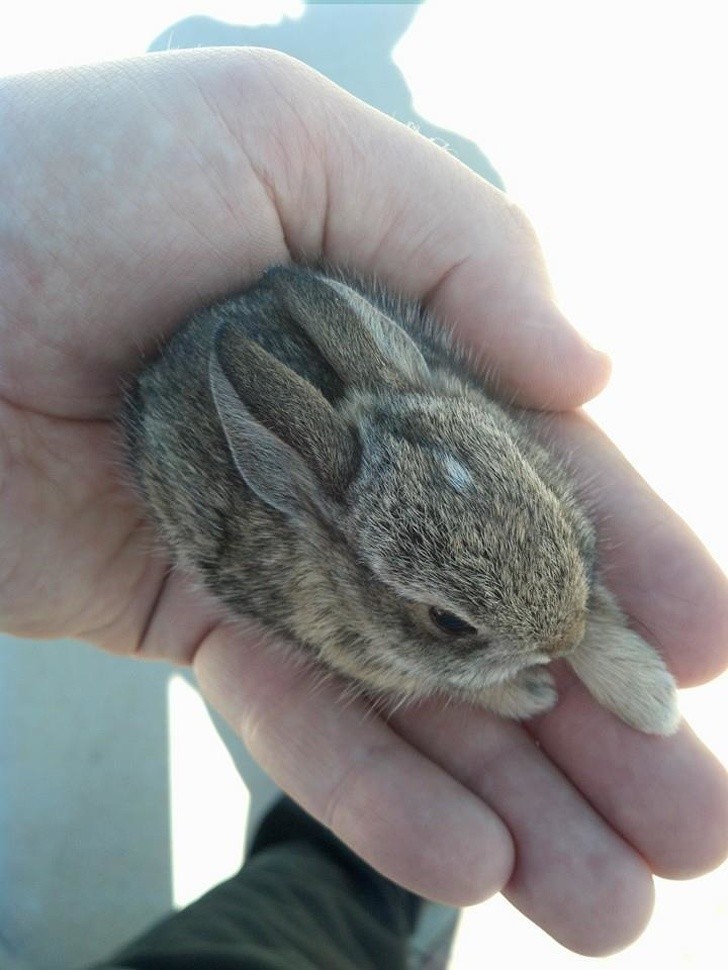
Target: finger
x,y
404,815
441,235
668,797
662,576
574,876
152,209
242,159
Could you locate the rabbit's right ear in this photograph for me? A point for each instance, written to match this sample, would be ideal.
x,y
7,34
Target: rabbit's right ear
x,y
293,450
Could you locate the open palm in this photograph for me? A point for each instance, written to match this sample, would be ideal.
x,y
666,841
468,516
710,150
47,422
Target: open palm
x,y
139,191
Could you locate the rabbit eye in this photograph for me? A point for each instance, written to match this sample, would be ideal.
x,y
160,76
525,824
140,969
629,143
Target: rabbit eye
x,y
449,623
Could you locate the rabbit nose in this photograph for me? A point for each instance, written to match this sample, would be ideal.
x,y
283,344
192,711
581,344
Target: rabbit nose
x,y
569,638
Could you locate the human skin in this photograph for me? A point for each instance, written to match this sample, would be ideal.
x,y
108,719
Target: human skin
x,y
137,191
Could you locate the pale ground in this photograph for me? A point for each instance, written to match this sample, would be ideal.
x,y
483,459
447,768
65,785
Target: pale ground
x,y
605,119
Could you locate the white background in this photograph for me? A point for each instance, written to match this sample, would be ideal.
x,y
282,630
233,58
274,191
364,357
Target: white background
x,y
607,122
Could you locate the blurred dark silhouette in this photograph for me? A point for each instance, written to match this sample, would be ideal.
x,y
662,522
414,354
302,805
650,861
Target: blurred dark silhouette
x,y
351,43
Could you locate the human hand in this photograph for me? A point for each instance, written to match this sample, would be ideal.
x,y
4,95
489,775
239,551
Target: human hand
x,y
137,191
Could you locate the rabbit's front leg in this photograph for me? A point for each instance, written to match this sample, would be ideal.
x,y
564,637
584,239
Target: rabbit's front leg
x,y
529,693
623,672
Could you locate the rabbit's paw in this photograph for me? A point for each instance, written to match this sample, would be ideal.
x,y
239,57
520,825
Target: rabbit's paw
x,y
530,692
653,706
628,677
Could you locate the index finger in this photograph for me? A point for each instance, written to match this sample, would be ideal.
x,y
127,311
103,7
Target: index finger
x,y
204,168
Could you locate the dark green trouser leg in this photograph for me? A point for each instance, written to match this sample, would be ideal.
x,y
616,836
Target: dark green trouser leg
x,y
302,903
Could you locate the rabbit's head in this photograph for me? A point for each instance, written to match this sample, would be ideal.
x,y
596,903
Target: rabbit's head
x,y
453,564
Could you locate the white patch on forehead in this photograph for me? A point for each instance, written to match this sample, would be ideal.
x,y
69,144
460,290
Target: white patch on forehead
x,y
455,472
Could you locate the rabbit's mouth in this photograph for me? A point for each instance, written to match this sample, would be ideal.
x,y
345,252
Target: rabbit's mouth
x,y
568,640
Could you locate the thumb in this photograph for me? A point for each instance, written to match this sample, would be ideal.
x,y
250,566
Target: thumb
x,y
402,209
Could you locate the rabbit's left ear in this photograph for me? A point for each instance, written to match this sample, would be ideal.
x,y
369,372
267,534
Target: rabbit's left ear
x,y
288,444
363,345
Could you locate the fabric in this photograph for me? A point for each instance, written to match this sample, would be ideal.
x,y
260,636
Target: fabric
x,y
302,901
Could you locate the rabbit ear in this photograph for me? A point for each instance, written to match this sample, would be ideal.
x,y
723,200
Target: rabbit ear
x,y
357,339
290,446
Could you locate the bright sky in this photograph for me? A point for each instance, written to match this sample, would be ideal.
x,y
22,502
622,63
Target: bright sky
x,y
606,120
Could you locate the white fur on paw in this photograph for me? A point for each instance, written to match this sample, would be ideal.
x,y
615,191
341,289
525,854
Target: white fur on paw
x,y
529,693
628,677
652,706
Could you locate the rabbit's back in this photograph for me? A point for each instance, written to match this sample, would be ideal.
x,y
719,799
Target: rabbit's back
x,y
242,550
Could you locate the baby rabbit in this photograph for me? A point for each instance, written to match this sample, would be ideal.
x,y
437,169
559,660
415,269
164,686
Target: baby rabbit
x,y
322,457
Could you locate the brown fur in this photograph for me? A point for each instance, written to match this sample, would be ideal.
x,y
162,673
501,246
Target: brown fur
x,y
325,459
